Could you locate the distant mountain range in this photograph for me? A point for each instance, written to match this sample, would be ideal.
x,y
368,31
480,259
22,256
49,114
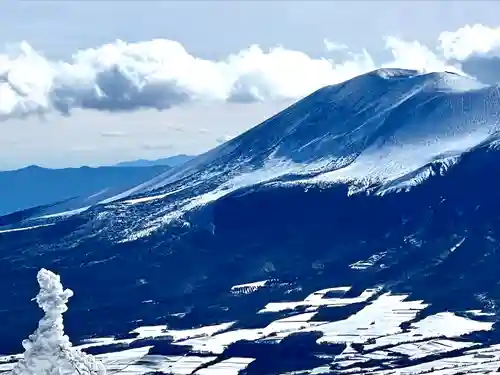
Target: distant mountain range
x,y
68,188
171,161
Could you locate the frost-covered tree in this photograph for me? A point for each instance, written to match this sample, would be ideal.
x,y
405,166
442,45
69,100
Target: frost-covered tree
x,y
48,350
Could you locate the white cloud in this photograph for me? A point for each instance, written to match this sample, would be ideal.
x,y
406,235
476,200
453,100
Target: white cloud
x,y
470,40
413,55
332,46
160,74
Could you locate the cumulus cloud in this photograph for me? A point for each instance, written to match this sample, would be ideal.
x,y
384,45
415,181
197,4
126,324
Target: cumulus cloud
x,y
160,73
469,41
476,48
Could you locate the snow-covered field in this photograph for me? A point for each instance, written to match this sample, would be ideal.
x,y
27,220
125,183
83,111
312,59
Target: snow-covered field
x,y
375,339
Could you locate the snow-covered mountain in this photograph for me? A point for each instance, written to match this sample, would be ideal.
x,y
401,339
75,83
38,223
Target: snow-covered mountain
x,y
378,126
356,231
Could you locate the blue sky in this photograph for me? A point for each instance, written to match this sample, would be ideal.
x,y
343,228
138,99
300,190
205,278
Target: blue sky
x,y
213,29
71,95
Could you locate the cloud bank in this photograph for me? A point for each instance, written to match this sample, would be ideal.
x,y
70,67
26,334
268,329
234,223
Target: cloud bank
x,y
160,73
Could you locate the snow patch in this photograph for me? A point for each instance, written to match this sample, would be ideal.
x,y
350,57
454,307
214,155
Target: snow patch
x,y
249,287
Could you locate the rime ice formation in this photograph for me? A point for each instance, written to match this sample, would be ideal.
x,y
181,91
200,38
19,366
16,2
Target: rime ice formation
x,y
48,350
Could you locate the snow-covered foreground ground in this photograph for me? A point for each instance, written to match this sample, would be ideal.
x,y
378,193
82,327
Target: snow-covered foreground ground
x,y
389,334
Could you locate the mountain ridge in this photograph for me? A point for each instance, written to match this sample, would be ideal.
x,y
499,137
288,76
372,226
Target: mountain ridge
x,y
171,161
